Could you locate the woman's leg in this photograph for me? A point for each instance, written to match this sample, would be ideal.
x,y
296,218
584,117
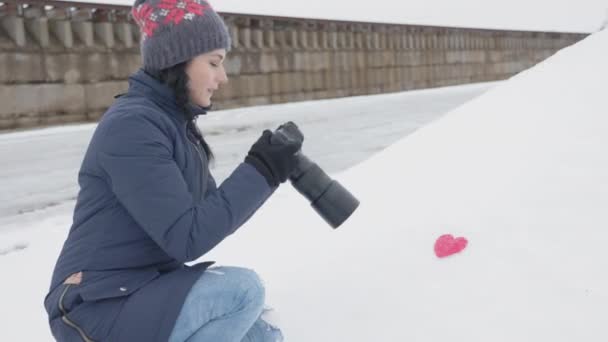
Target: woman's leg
x,y
263,331
222,306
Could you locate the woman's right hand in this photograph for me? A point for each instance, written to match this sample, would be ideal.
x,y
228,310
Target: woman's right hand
x,y
275,160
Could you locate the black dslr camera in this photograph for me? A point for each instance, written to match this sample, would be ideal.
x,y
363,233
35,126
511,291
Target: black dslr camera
x,y
328,197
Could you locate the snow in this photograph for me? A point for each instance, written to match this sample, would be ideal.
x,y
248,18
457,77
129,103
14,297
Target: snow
x,y
527,15
40,182
521,172
56,153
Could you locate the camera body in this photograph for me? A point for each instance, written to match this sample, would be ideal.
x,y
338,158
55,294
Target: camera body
x,y
328,197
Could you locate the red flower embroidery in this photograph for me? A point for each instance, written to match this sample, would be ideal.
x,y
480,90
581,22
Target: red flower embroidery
x,y
142,15
174,11
177,10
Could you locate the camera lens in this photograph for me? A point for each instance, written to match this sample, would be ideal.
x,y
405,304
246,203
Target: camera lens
x,y
329,198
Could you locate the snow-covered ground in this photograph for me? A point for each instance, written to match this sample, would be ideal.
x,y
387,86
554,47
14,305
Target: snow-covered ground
x,y
527,15
42,165
39,180
521,172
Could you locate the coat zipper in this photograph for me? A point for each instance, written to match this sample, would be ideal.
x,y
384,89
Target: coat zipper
x,y
65,318
200,158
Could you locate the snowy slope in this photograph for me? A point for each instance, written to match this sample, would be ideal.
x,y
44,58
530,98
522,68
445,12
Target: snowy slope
x,y
42,164
521,172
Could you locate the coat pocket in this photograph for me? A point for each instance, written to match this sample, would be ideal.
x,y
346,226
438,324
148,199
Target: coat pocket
x,y
99,285
103,295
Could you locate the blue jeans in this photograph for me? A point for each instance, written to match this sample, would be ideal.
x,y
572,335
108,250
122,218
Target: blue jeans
x,y
225,305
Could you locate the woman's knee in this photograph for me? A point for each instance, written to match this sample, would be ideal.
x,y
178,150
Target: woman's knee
x,y
245,282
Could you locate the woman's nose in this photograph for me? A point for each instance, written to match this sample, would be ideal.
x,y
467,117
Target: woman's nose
x,y
223,77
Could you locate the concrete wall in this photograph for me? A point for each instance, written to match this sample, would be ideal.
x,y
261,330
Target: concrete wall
x,y
60,65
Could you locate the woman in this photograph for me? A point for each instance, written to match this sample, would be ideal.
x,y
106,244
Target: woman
x,y
148,204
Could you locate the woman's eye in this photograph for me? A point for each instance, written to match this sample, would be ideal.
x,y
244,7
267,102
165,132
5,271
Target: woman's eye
x,y
215,65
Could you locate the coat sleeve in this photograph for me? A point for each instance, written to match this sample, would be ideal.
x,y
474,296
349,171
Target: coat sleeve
x,y
136,154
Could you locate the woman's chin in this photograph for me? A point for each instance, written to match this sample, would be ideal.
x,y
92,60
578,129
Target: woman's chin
x,y
205,103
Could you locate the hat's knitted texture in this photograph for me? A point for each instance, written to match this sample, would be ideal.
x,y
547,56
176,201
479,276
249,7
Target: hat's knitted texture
x,y
175,31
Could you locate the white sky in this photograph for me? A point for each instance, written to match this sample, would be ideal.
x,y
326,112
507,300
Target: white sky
x,y
520,171
536,15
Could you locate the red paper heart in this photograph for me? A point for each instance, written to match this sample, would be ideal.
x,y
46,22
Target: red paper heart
x,y
447,245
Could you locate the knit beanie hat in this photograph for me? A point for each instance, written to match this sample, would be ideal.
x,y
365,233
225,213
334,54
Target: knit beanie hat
x,y
175,31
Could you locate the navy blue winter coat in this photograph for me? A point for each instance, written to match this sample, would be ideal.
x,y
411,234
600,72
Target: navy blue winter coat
x,y
147,204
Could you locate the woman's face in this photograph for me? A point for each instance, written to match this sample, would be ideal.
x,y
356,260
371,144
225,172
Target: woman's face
x,y
206,72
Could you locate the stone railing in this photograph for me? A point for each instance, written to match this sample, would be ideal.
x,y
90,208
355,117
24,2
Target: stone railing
x,y
63,62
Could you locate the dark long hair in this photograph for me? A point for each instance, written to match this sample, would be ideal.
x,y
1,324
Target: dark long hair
x,y
176,78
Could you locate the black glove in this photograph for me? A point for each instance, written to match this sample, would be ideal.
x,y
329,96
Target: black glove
x,y
275,160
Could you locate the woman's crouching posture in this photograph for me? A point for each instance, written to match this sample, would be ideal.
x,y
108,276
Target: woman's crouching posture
x,y
148,203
